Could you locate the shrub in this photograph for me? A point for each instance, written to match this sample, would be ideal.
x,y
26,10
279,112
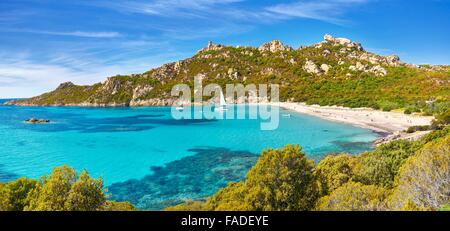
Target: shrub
x,y
281,180
380,167
424,180
13,195
62,190
413,129
354,196
332,172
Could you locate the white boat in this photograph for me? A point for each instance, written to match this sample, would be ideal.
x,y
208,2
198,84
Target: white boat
x,y
287,115
179,108
223,104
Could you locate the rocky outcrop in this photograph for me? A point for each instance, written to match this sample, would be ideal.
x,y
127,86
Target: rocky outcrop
x,y
325,68
65,85
401,135
274,46
139,93
377,70
167,70
37,121
392,60
311,68
211,47
342,41
111,85
153,102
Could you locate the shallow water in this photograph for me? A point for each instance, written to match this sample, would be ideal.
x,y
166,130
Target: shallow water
x,y
150,159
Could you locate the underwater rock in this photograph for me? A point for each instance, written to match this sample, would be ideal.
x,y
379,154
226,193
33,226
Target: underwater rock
x,y
37,121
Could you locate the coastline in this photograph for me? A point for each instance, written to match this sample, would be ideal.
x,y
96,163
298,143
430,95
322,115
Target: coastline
x,y
390,125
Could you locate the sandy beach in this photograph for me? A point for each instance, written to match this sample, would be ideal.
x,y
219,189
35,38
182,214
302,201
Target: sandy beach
x,y
379,121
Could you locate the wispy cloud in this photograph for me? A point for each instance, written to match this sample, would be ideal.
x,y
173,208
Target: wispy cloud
x,y
86,34
326,10
140,35
26,74
165,8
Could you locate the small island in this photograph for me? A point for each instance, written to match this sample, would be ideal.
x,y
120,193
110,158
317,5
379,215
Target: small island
x,y
37,121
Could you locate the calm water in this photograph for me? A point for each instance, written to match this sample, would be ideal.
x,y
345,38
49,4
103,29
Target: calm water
x,y
150,159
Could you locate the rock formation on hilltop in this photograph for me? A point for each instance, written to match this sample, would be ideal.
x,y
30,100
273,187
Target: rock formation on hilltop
x,y
274,46
335,71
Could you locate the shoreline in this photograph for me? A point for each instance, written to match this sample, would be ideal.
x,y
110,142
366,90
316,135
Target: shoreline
x,y
390,125
381,121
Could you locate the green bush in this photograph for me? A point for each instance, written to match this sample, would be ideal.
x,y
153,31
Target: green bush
x,y
413,129
62,190
424,180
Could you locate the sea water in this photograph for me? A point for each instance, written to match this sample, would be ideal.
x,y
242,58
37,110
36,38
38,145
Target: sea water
x,y
147,157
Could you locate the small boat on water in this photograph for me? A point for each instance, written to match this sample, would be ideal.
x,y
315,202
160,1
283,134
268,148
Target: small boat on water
x,y
223,104
179,108
286,115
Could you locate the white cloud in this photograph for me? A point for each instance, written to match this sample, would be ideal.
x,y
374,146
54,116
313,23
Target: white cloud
x,y
27,74
166,8
26,78
87,34
325,10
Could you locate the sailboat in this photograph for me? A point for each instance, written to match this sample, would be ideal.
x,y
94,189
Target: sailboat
x,y
223,104
180,107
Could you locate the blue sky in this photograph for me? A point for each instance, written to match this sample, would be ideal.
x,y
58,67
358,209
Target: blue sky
x,y
46,42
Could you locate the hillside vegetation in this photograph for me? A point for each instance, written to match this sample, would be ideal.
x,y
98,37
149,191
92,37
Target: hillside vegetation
x,y
401,175
335,71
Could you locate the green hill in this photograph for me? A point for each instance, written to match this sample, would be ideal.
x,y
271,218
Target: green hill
x,y
335,71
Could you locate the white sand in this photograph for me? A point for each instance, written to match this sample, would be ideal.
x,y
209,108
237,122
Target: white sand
x,y
388,122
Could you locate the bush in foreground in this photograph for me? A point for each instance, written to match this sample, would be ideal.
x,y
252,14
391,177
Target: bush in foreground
x,y
62,190
401,175
281,180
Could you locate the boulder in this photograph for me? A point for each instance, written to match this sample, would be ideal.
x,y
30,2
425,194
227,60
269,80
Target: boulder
x,y
274,46
378,70
325,68
343,41
311,67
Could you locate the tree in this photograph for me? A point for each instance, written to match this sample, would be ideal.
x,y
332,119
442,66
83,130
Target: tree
x,y
380,167
13,195
117,206
86,194
62,190
52,192
354,196
333,171
231,198
424,180
281,180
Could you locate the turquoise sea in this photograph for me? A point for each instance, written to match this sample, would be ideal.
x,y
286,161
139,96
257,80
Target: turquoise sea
x,y
146,157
